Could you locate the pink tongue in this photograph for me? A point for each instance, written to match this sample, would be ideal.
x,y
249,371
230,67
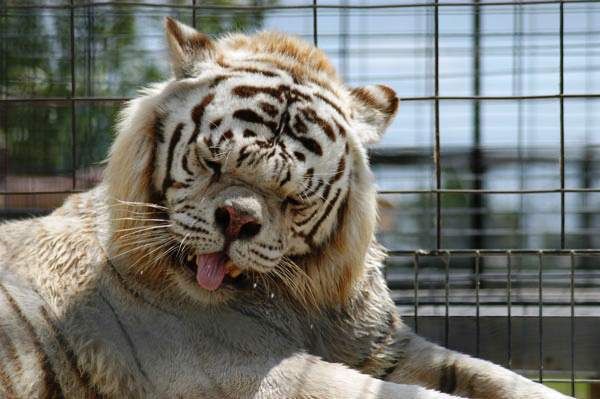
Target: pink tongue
x,y
211,270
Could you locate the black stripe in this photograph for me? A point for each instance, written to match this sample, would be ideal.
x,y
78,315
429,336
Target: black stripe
x,y
332,105
172,144
248,115
288,177
246,91
184,164
262,256
196,229
82,376
11,351
134,353
255,71
448,378
307,194
324,215
312,117
249,133
308,143
52,388
6,385
299,126
198,114
308,219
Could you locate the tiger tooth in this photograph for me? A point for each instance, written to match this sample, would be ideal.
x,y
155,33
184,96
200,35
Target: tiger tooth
x,y
234,272
190,258
232,269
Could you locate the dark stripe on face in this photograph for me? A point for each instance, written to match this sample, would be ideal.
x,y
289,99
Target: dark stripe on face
x,y
328,208
340,170
331,104
341,130
307,219
249,133
184,164
288,176
307,194
251,91
248,115
312,116
244,153
218,80
198,114
263,256
308,143
158,129
216,169
299,94
269,109
195,229
256,71
172,144
51,385
215,124
299,126
82,376
299,156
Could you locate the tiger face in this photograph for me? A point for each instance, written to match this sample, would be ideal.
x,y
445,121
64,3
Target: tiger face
x,y
257,155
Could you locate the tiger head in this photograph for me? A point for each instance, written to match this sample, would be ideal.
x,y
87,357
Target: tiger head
x,y
249,164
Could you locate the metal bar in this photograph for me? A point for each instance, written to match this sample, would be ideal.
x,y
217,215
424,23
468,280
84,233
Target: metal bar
x,y
562,125
389,192
419,98
315,23
477,304
509,307
540,320
64,100
470,191
74,191
343,42
501,98
572,323
416,290
495,252
194,14
291,7
436,148
446,260
72,95
477,163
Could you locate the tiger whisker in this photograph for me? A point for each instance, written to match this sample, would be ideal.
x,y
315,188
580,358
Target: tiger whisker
x,y
139,247
168,242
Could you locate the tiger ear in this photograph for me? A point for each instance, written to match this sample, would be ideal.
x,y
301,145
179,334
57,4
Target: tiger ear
x,y
187,47
374,108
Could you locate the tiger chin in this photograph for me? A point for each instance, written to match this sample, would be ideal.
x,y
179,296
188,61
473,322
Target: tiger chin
x,y
229,251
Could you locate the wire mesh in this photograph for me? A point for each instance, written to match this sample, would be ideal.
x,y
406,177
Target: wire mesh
x,y
448,181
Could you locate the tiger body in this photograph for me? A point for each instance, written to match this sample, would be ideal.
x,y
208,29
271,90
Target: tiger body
x,y
251,159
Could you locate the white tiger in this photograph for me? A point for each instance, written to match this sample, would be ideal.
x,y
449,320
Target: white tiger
x,y
229,251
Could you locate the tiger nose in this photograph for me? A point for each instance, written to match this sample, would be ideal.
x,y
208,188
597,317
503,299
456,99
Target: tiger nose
x,y
236,224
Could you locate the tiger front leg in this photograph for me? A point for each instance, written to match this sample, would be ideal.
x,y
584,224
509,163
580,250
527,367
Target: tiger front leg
x,y
432,366
307,377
